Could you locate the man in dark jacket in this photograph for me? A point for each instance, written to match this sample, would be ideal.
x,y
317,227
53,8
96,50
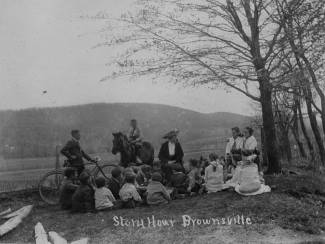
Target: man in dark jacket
x,y
74,153
171,154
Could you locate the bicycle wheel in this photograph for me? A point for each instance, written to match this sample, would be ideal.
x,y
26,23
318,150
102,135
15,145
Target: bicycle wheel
x,y
107,170
49,186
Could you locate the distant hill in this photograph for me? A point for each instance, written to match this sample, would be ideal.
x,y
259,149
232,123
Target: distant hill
x,y
36,132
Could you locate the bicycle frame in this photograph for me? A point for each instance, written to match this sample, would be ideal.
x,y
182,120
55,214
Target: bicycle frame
x,y
97,167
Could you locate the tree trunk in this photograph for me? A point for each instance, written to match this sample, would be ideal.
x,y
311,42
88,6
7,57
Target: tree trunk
x,y
305,133
268,125
287,146
317,88
284,145
295,130
264,154
301,148
313,123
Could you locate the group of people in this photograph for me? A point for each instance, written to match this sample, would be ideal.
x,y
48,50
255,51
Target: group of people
x,y
164,180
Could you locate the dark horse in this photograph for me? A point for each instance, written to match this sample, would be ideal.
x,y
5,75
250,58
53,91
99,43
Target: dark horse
x,y
128,152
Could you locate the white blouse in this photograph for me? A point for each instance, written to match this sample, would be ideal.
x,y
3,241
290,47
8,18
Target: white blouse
x,y
171,148
250,143
239,144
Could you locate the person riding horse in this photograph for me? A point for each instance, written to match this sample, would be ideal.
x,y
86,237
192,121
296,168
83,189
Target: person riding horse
x,y
135,135
132,150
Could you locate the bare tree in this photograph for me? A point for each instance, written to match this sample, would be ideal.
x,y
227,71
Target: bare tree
x,y
232,44
283,114
305,29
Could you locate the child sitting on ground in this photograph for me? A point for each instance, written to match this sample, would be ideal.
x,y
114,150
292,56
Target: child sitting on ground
x,y
115,182
83,198
213,176
128,193
67,189
222,161
203,163
143,175
156,168
104,199
156,192
195,178
179,181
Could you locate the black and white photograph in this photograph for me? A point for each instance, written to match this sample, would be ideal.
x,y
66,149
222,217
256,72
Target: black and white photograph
x,y
162,121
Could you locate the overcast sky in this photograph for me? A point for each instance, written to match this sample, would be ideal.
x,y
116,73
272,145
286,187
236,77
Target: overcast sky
x,y
46,46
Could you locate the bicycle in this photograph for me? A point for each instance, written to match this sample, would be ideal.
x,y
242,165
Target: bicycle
x,y
50,183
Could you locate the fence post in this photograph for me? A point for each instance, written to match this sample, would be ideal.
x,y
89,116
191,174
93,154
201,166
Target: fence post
x,y
57,157
57,166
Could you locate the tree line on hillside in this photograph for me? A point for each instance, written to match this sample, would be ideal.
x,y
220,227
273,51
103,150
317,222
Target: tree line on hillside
x,y
36,132
270,50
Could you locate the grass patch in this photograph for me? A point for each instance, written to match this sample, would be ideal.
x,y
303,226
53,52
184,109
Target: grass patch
x,y
296,203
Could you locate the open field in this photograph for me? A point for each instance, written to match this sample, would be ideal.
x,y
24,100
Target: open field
x,y
49,162
32,170
292,213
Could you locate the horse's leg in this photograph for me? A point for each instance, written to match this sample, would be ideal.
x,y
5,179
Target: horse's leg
x,y
124,162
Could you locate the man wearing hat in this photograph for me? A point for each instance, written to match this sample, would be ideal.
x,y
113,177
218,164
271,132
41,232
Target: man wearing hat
x,y
171,153
74,153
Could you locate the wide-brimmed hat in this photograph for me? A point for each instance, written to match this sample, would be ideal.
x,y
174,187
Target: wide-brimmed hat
x,y
252,189
171,134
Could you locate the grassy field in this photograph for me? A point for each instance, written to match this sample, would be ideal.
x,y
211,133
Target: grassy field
x,y
19,164
293,212
26,173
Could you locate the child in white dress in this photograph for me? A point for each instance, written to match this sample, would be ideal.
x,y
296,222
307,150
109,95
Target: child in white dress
x,y
214,175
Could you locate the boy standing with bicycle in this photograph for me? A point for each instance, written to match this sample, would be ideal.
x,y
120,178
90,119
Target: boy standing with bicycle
x,y
74,153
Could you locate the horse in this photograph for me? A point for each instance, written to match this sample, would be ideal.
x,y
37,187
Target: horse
x,y
128,152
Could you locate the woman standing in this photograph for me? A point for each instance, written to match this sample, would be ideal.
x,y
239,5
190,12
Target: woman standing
x,y
250,142
249,153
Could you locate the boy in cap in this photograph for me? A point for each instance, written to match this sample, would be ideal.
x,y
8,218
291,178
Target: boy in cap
x,y
156,192
83,198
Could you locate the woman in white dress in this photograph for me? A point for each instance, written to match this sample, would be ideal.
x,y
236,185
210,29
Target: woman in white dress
x,y
249,143
213,176
247,180
249,146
